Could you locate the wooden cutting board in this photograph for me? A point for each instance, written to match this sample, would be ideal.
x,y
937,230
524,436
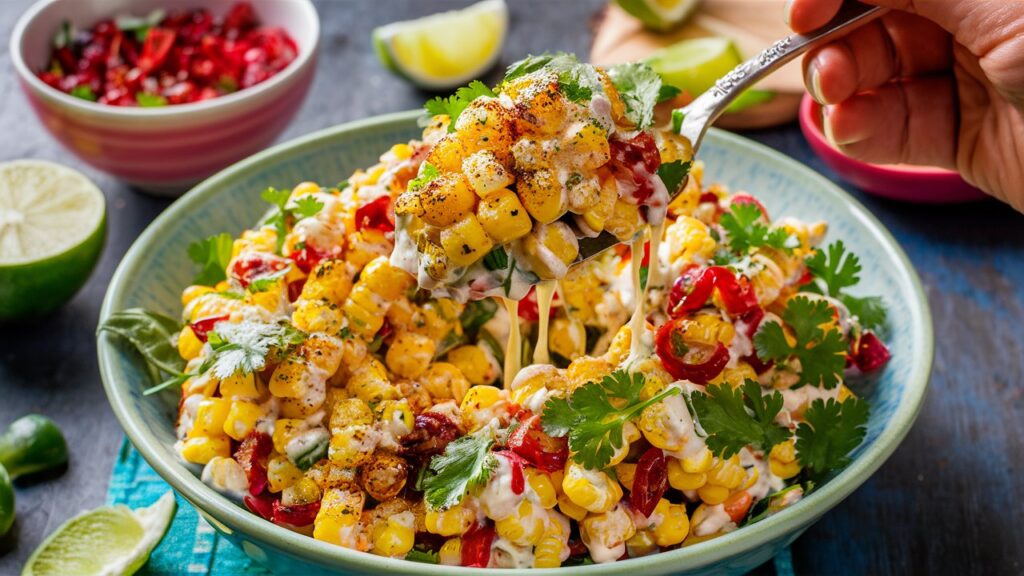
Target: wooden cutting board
x,y
752,24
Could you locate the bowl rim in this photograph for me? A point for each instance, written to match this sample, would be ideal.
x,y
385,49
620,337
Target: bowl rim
x,y
107,111
740,541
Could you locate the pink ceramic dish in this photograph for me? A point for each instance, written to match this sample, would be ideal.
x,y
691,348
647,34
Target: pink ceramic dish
x,y
899,182
165,150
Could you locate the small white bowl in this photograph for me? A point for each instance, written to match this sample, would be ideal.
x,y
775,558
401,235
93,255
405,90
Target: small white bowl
x,y
168,149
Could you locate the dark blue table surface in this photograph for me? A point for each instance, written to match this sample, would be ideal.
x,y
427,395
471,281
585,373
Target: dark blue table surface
x,y
949,501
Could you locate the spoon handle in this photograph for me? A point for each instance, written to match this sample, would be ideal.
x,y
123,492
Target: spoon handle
x,y
702,112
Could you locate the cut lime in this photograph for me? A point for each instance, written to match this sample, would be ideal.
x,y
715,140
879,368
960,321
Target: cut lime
x,y
659,14
445,50
52,227
112,540
693,66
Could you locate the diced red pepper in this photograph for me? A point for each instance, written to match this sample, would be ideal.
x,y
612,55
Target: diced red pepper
x,y
249,267
202,327
869,353
298,515
431,433
263,505
307,257
295,289
698,363
476,546
650,481
251,456
538,448
752,321
737,505
635,162
377,215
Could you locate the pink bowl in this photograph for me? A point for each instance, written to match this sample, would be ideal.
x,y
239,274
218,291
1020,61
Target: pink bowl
x,y
899,182
165,150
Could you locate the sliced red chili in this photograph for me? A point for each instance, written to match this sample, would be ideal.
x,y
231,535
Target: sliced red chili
x,y
376,215
252,455
155,49
263,505
202,327
538,448
870,353
708,197
690,293
698,363
476,546
307,257
249,267
752,321
635,162
650,481
297,515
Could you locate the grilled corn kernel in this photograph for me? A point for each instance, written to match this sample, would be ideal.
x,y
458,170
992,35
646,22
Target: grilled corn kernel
x,y
485,174
447,155
330,281
700,462
189,346
625,472
193,292
673,525
202,449
587,369
303,491
543,196
239,385
282,473
474,364
317,316
630,434
618,350
454,521
568,338
370,383
680,479
350,412
571,509
597,216
410,354
524,527
590,489
657,423
351,446
782,460
446,199
542,485
210,417
384,476
450,553
339,513
588,146
503,217
465,241
608,531
241,419
291,378
394,537
641,544
624,221
285,429
689,241
549,249
712,494
480,398
443,381
727,473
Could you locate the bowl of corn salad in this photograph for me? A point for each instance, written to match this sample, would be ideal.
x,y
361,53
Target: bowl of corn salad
x,y
373,349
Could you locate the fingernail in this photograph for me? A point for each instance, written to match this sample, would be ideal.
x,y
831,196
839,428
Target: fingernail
x,y
812,78
787,10
826,111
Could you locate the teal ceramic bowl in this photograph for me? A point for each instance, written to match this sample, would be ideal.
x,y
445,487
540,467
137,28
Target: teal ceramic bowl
x,y
157,267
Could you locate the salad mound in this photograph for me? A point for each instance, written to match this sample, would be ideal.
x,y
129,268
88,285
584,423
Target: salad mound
x,y
675,389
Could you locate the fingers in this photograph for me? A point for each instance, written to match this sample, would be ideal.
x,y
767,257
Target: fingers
x,y
806,15
896,46
908,122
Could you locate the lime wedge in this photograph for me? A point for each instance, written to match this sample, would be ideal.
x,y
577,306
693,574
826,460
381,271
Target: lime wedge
x,y
106,541
693,66
445,50
52,226
659,14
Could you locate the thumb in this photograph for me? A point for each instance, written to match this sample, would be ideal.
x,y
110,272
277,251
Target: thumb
x,y
955,16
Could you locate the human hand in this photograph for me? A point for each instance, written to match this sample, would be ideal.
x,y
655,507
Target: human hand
x,y
934,82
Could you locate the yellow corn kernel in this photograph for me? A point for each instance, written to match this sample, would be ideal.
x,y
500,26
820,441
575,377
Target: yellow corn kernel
x,y
624,221
302,491
597,217
330,281
189,346
351,446
844,394
485,174
205,385
480,398
323,352
641,544
210,417
443,381
735,376
543,196
305,188
503,217
193,292
395,537
450,553
448,153
708,329
291,378
202,449
608,530
543,487
241,419
401,151
618,350
446,199
568,338
549,249
584,193
588,147
570,508
300,407
486,125
689,241
397,415
548,552
700,462
370,383
285,429
784,451
465,241
587,369
410,354
656,425
474,364
524,528
454,521
625,472
239,385
727,473
630,434
385,280
339,513
350,412
317,316
680,479
712,494
673,525
590,489
753,475
281,473
782,460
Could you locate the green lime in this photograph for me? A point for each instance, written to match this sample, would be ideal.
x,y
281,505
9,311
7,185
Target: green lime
x,y
693,66
660,14
109,540
52,227
445,50
6,501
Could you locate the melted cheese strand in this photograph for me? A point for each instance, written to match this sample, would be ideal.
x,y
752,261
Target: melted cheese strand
x,y
513,347
545,292
655,271
638,323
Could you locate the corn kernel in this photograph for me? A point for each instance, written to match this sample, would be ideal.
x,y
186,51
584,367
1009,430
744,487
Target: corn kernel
x,y
210,417
281,473
202,449
241,419
189,346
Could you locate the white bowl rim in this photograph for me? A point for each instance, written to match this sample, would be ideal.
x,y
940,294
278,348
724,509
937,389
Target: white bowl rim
x,y
132,112
784,523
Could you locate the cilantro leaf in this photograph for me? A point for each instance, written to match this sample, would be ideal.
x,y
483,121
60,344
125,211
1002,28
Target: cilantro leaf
x,y
428,172
151,334
822,354
214,255
592,421
673,175
423,556
244,346
265,283
836,269
307,207
466,463
746,230
453,105
496,259
640,88
577,81
85,92
278,216
830,431
476,314
668,92
527,65
735,418
869,310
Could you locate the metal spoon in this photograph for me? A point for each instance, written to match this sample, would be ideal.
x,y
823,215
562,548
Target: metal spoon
x,y
702,112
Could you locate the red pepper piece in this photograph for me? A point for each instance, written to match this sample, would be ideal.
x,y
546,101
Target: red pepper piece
x,y
202,327
518,483
529,309
431,433
737,505
156,48
298,515
542,451
869,353
263,505
697,363
250,267
251,455
737,294
650,481
377,215
476,546
635,162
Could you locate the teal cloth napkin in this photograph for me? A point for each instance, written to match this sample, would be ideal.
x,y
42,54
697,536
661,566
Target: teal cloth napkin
x,y
191,546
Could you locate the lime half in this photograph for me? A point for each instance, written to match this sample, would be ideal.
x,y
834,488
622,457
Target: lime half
x,y
693,66
659,14
445,50
52,227
112,540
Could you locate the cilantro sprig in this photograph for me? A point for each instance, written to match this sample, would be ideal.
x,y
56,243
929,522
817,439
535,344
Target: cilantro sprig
x,y
835,269
453,105
428,172
466,463
821,353
673,174
213,255
746,230
576,80
244,346
281,213
830,431
735,418
593,416
641,89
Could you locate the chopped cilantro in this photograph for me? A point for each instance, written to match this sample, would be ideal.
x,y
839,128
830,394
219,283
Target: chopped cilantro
x,y
244,346
84,92
214,255
641,89
747,231
466,463
576,80
735,418
830,431
496,259
836,269
150,100
453,106
305,207
428,172
677,121
267,282
423,556
822,353
673,175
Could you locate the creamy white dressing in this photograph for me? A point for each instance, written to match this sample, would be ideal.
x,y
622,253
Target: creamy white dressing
x,y
545,293
303,443
638,322
794,399
767,482
226,476
187,414
513,346
715,520
497,500
505,554
680,424
607,535
655,268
